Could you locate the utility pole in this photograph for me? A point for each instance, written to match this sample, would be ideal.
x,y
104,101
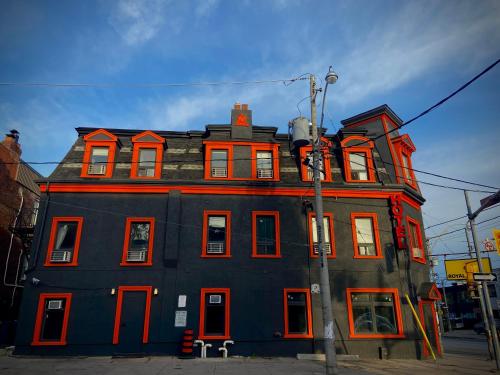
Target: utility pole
x,y
490,321
326,300
446,304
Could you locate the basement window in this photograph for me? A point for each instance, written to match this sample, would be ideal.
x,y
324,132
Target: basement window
x,y
138,243
374,313
265,234
64,241
214,314
297,305
52,319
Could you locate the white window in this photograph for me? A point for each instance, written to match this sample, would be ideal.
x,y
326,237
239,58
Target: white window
x,y
264,164
98,160
147,161
310,167
326,228
218,165
406,169
365,236
357,162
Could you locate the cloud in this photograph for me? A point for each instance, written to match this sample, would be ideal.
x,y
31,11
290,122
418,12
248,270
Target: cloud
x,y
138,21
205,7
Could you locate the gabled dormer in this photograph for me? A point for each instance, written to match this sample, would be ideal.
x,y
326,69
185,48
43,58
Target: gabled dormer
x,y
404,148
99,155
147,155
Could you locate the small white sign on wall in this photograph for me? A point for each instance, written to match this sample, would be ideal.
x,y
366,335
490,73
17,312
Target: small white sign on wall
x,y
181,301
180,318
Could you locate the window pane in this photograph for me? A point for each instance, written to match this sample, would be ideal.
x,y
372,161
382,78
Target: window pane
x,y
386,322
264,160
53,319
310,169
326,229
365,237
216,243
266,239
147,161
406,164
215,314
414,241
363,319
297,313
139,236
357,161
99,155
66,236
219,159
360,297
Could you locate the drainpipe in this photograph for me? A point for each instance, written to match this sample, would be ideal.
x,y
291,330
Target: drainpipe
x,y
224,348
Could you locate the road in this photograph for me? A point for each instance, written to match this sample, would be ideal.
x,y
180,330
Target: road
x,y
466,346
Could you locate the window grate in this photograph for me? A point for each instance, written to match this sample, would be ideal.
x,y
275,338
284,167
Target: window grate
x,y
326,247
215,247
61,256
136,256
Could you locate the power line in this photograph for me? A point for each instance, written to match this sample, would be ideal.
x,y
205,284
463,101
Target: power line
x,y
458,218
150,85
456,230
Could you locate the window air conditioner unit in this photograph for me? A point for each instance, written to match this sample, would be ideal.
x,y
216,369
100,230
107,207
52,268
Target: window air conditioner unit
x,y
326,246
136,256
61,256
215,248
417,252
264,173
215,299
55,304
146,172
97,169
219,172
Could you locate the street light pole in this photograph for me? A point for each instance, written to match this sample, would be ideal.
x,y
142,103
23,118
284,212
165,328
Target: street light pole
x,y
490,321
326,300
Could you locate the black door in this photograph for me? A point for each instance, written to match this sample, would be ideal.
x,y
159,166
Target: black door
x,y
132,323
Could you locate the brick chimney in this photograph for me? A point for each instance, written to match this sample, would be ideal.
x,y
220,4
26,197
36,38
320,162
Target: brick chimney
x,y
241,121
10,152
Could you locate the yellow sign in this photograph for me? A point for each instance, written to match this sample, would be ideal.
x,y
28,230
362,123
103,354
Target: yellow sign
x,y
496,236
456,269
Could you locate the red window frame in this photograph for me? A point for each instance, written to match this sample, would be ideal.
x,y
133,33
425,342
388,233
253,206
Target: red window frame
x,y
206,214
409,222
90,143
309,333
367,150
147,311
40,315
227,307
304,168
273,148
310,216
376,234
397,309
405,147
52,240
139,145
276,216
126,241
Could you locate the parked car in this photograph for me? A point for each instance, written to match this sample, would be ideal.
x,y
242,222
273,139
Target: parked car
x,y
479,327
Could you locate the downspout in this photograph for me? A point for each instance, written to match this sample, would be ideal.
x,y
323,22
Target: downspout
x,y
41,231
15,285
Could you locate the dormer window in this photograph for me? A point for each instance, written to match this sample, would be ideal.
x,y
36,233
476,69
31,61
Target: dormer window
x,y
218,164
99,156
358,159
264,164
404,148
147,156
307,167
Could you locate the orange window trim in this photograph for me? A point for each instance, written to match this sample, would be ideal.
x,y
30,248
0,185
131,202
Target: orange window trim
x,y
275,155
39,319
421,304
310,216
276,216
201,328
365,149
304,168
147,311
419,244
110,143
126,241
309,333
135,160
204,241
376,234
397,308
52,241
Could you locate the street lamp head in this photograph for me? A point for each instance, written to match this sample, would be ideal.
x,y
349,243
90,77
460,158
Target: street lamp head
x,y
331,76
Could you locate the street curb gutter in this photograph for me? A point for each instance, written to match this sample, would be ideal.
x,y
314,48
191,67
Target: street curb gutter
x,y
321,357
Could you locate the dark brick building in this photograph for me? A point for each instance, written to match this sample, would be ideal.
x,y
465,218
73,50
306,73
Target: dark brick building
x,y
143,233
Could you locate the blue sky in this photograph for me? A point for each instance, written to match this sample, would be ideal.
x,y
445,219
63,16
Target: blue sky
x,y
405,54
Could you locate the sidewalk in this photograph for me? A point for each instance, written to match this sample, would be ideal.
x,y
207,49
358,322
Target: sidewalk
x,y
452,364
467,334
